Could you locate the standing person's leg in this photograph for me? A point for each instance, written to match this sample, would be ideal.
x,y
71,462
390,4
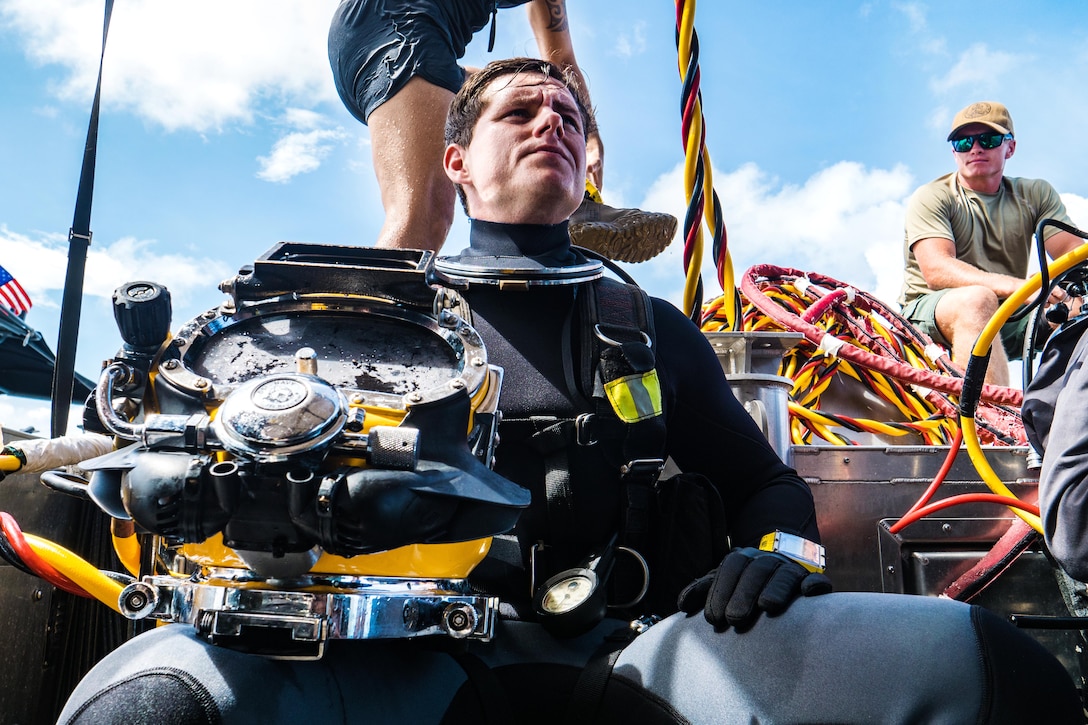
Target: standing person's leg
x,y
396,70
406,139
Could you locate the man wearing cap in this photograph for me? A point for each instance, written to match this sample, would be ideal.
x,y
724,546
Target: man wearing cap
x,y
969,239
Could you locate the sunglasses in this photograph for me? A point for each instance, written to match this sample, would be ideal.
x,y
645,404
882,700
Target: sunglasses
x,y
986,140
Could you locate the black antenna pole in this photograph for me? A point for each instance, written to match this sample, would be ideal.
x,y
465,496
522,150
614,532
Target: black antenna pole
x,y
79,239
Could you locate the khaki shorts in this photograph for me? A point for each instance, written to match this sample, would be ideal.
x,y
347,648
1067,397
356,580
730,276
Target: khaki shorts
x,y
922,314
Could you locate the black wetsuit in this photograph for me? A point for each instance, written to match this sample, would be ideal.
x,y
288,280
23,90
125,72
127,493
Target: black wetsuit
x,y
529,333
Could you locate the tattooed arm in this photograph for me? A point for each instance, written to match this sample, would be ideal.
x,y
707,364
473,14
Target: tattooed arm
x,y
548,19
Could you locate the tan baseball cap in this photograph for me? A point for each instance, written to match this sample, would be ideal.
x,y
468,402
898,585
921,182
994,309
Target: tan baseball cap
x,y
988,113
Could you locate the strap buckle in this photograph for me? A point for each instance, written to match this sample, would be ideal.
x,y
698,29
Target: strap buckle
x,y
648,469
586,429
599,332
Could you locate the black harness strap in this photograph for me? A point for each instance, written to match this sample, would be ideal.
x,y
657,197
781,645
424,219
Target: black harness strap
x,y
622,313
552,441
493,700
552,438
585,702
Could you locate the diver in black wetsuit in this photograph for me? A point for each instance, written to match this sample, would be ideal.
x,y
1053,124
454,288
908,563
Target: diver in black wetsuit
x,y
759,652
528,334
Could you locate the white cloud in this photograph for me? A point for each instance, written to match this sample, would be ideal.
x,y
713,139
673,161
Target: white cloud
x,y
939,119
915,14
33,415
35,262
979,68
130,259
1077,206
302,119
923,41
197,65
845,222
31,260
297,153
632,42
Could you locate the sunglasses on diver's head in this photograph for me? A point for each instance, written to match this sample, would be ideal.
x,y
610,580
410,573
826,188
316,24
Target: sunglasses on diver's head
x,y
986,140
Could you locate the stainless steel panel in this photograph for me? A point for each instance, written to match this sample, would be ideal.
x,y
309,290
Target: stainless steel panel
x,y
861,490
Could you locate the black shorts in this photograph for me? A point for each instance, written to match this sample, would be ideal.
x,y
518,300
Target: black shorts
x,y
377,46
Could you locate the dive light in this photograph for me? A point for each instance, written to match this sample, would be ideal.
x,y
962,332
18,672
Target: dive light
x,y
575,600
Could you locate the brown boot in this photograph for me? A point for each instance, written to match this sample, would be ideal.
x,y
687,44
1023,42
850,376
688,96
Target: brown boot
x,y
625,235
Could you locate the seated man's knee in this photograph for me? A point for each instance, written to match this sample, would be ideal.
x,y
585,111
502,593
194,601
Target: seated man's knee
x,y
974,297
965,311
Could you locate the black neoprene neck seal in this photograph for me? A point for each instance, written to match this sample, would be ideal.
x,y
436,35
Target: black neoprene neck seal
x,y
518,255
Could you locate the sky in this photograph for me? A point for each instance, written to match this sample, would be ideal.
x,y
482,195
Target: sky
x,y
221,134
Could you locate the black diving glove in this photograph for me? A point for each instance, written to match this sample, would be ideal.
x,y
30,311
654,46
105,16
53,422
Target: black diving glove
x,y
747,582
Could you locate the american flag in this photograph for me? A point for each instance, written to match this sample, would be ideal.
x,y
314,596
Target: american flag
x,y
12,293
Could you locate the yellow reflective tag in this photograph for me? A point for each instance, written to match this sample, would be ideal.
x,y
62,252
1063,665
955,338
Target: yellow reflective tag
x,y
593,192
635,397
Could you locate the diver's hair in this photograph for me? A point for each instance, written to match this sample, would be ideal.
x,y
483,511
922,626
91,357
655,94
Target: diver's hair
x,y
468,104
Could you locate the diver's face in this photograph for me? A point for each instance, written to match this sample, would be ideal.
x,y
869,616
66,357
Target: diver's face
x,y
526,162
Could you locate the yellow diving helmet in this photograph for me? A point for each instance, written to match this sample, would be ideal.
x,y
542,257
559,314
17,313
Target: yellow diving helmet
x,y
312,457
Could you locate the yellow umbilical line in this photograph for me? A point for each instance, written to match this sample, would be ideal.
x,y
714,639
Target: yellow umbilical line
x,y
127,549
93,581
703,204
981,351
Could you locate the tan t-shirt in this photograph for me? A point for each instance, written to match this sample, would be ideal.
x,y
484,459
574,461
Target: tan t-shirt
x,y
992,231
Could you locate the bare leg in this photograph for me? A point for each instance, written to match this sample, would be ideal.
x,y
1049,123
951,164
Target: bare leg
x,y
961,315
595,160
406,138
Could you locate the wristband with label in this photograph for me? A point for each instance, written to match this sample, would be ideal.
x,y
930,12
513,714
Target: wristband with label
x,y
807,553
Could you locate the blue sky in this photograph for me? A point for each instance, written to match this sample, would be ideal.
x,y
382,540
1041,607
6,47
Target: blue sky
x,y
221,133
